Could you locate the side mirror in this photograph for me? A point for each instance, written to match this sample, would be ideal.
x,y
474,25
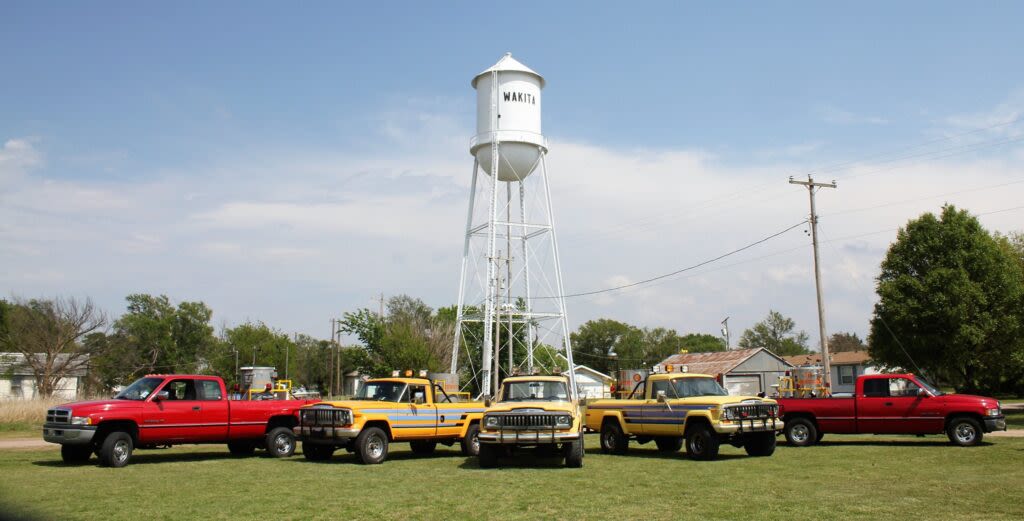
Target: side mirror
x,y
162,395
487,401
583,400
921,393
418,399
661,396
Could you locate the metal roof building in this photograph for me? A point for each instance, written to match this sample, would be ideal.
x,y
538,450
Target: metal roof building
x,y
742,371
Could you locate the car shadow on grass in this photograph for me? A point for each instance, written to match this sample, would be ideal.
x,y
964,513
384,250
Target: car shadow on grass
x,y
656,454
909,442
152,456
519,461
341,456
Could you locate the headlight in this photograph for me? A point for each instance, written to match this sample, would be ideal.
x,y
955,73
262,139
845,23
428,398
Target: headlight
x,y
491,421
993,412
345,417
563,421
728,414
81,420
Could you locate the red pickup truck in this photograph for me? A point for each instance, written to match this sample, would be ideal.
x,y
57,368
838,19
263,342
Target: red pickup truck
x,y
163,410
892,404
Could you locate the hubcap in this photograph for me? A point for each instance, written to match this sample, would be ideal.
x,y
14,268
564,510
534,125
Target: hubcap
x,y
799,433
375,447
965,433
697,444
283,443
609,440
474,443
121,451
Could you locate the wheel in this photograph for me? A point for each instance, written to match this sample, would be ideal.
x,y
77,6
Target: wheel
x,y
801,432
574,453
241,448
488,456
702,443
75,453
613,441
372,446
280,442
116,449
964,431
471,443
314,452
760,444
423,447
669,443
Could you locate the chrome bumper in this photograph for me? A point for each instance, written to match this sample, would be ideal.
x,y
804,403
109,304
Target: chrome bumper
x,y
758,425
516,437
66,434
317,434
995,424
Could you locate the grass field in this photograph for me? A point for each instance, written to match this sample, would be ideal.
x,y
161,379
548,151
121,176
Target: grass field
x,y
1014,418
843,478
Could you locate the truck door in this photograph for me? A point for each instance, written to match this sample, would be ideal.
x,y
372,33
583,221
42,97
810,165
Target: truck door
x,y
421,421
449,414
174,419
658,419
213,411
891,406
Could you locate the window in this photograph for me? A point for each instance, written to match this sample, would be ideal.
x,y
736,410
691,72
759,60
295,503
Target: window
x,y
440,396
661,386
209,390
181,390
417,391
847,374
876,388
902,387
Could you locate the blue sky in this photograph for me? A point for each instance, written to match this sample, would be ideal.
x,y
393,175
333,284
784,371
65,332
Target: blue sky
x,y
253,155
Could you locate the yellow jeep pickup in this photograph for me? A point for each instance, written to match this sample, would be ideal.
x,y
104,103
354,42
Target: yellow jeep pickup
x,y
388,410
532,411
671,408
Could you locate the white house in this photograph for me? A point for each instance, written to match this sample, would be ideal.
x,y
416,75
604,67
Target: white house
x,y
17,381
591,383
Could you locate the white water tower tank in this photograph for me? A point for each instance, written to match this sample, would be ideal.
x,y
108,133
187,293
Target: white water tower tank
x,y
516,124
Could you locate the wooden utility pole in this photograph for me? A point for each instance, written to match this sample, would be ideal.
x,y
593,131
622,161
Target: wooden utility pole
x,y
330,373
811,188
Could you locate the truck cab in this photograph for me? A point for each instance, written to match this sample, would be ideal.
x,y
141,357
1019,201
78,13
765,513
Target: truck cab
x,y
674,407
532,411
385,411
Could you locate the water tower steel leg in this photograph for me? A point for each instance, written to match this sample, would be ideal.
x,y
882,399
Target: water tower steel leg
x,y
526,280
508,273
462,273
492,261
558,278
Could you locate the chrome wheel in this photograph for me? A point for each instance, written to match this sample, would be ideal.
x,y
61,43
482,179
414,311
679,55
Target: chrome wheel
x,y
474,442
608,439
283,444
965,433
799,433
122,450
375,447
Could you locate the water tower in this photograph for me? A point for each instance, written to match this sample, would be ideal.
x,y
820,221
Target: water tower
x,y
511,277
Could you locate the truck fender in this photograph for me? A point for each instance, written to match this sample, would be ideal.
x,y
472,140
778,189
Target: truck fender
x,y
106,427
614,416
462,431
383,425
284,420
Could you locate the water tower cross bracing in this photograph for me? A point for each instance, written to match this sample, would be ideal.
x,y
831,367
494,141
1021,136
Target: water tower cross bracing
x,y
511,297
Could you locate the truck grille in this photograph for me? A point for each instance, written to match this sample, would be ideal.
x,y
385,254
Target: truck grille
x,y
758,411
58,416
325,416
527,421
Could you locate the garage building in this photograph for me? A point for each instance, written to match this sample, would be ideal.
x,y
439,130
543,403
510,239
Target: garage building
x,y
741,371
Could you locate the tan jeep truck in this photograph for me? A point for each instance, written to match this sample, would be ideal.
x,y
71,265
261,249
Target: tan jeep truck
x,y
671,408
532,411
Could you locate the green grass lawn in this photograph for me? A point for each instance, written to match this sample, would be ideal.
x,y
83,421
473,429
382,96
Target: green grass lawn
x,y
1014,418
843,478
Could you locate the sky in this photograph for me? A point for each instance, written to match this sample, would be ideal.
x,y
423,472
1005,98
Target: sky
x,y
287,163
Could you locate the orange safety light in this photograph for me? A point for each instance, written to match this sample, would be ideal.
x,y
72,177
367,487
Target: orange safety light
x,y
408,372
669,368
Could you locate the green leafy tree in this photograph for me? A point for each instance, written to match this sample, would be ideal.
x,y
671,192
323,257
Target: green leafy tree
x,y
595,340
161,337
410,336
702,343
776,333
840,342
951,301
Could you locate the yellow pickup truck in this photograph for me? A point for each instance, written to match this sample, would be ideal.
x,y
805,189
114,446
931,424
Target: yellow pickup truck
x,y
532,411
677,407
389,410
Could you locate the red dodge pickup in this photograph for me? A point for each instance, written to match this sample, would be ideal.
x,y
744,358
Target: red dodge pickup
x,y
164,410
892,404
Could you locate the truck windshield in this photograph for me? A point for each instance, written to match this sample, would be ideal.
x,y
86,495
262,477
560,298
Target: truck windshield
x,y
139,389
927,385
381,391
544,391
689,387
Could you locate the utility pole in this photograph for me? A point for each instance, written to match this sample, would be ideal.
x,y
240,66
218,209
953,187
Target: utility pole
x,y
725,333
811,188
330,373
380,314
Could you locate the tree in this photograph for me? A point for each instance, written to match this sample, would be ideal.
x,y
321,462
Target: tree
x,y
951,302
702,343
594,340
775,332
49,335
840,342
411,336
163,338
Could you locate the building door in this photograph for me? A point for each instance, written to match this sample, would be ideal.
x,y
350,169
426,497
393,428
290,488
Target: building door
x,y
743,384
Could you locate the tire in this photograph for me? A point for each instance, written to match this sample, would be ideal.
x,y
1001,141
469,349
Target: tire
x,y
241,448
702,443
801,432
613,441
280,442
372,446
314,452
116,449
471,443
669,443
423,448
75,453
760,444
964,431
574,453
488,456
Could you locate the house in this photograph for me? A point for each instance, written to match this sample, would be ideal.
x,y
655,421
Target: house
x,y
17,381
591,383
743,372
846,367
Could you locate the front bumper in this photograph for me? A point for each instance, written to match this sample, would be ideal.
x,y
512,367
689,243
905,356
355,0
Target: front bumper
x,y
525,437
324,434
997,423
750,425
66,434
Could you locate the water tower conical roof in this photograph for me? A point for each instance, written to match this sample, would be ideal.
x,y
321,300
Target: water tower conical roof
x,y
508,63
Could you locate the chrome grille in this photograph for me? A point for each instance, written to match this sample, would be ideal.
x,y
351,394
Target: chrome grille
x,y
527,421
753,411
58,416
325,416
